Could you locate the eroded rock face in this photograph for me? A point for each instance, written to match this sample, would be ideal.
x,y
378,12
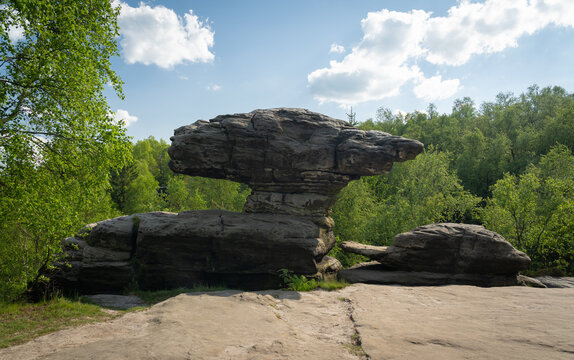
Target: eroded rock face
x,y
294,160
457,249
165,250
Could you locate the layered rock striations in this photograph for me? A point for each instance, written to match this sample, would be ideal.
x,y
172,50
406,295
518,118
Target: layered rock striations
x,y
440,254
295,161
162,250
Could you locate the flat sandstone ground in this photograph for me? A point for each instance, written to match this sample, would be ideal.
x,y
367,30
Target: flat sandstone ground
x,y
392,322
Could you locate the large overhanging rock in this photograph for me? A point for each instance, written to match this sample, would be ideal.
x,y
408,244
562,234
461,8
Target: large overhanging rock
x,y
294,160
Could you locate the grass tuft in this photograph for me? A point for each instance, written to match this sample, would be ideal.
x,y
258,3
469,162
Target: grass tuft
x,y
22,322
301,283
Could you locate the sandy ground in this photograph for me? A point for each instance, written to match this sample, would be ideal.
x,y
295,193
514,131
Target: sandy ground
x,y
390,322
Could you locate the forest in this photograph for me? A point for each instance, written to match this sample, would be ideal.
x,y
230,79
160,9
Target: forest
x,y
64,161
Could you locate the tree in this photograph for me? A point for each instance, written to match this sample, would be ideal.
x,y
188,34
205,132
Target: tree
x,y
153,153
142,195
354,213
482,161
419,192
351,118
374,209
177,197
534,211
216,194
120,179
58,139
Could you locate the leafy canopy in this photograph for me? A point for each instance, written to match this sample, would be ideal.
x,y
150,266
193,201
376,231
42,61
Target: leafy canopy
x,y
58,139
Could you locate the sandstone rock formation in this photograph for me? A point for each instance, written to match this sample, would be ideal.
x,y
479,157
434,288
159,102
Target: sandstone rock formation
x,y
441,254
166,250
294,160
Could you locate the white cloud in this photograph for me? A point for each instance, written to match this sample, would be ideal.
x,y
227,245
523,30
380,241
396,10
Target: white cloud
x,y
393,42
489,27
125,116
434,88
213,87
337,49
377,67
157,35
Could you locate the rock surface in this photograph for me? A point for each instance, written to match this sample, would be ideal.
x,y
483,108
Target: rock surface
x,y
391,322
376,273
166,250
556,282
112,301
447,248
294,160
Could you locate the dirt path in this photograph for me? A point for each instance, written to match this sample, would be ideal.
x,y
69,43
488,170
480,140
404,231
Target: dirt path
x,y
392,322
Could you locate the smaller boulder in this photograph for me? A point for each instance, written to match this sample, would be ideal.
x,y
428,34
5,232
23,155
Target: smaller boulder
x,y
447,248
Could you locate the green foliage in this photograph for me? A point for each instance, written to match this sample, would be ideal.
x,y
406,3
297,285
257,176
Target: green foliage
x,y
354,211
151,155
345,258
297,282
331,285
148,184
216,194
512,154
142,195
302,283
421,191
58,140
120,179
535,211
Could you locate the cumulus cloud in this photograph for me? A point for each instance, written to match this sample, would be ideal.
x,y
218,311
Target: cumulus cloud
x,y
125,116
157,35
393,42
337,49
213,87
434,88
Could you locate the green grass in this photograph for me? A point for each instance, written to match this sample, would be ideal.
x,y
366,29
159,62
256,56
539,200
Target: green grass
x,y
301,283
331,285
21,322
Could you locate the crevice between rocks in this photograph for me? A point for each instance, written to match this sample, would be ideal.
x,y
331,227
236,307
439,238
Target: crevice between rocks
x,y
356,347
134,236
134,265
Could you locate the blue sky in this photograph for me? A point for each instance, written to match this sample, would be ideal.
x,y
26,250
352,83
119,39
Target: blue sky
x,y
187,60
